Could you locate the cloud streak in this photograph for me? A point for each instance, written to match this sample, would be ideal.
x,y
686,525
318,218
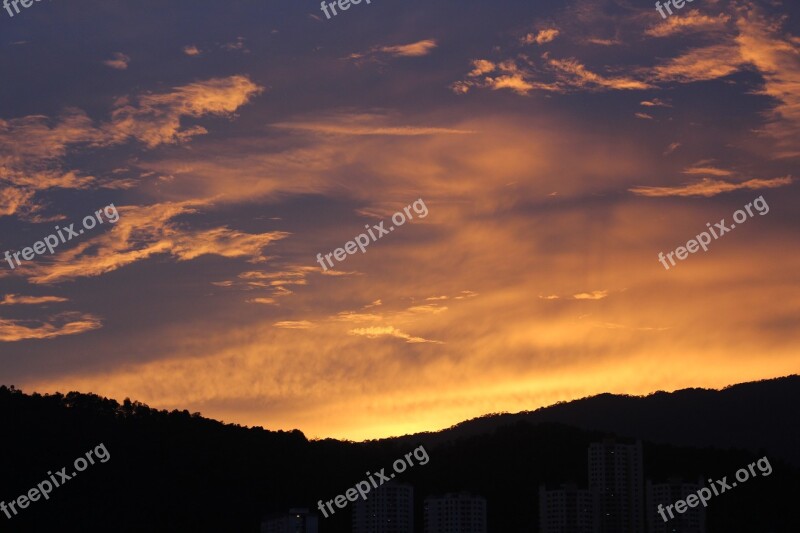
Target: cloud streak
x,y
59,325
375,332
120,61
711,187
143,232
15,299
31,147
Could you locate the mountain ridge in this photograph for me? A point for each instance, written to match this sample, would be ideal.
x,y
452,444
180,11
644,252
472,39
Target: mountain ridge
x,y
177,471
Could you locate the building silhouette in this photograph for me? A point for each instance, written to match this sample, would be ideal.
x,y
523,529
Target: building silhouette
x,y
693,520
455,513
388,509
297,520
616,475
568,510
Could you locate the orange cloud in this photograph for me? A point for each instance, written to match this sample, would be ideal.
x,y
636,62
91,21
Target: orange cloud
x,y
691,21
294,324
274,283
427,308
57,326
576,75
142,232
14,299
700,64
710,187
416,49
775,54
492,228
603,42
706,170
388,331
363,124
351,316
33,140
519,77
263,301
594,295
157,117
501,351
419,48
482,66
31,146
655,102
14,200
543,36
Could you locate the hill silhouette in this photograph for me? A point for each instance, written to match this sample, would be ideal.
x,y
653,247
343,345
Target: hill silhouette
x,y
751,416
176,471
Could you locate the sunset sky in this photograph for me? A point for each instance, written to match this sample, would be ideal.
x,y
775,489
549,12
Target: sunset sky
x,y
558,148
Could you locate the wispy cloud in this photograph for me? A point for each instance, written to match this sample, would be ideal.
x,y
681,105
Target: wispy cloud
x,y
156,118
141,233
576,75
238,44
504,75
558,76
672,147
14,299
774,52
31,147
419,48
389,331
700,64
692,21
262,301
63,324
655,102
703,170
482,66
294,324
415,49
594,295
427,308
274,284
120,61
603,42
364,124
711,187
612,325
543,36
352,316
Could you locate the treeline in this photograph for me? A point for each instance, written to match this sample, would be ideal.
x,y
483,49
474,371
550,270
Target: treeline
x,y
178,471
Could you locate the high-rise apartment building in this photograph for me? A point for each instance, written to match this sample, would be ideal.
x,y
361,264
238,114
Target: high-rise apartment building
x,y
568,510
692,520
455,513
616,474
295,521
388,509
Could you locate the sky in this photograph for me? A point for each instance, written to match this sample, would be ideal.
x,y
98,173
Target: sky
x,y
545,154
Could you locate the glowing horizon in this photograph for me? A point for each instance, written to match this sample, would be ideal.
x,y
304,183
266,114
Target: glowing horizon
x,y
558,149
